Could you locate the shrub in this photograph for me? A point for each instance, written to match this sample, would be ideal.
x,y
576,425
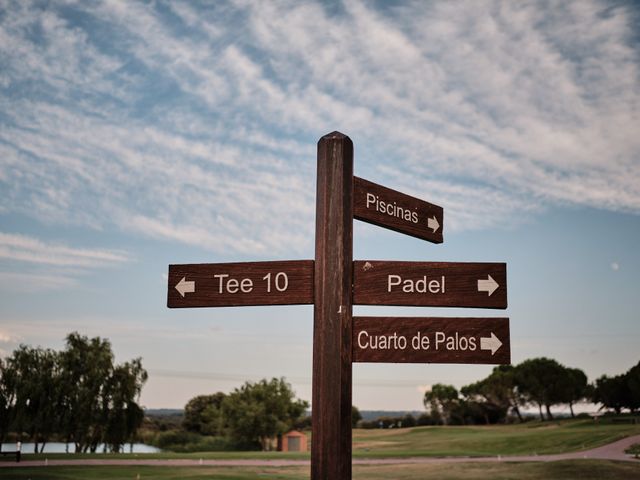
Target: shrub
x,y
185,442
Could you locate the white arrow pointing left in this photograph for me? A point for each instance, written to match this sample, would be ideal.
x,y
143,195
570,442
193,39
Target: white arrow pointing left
x,y
492,343
489,285
433,224
185,287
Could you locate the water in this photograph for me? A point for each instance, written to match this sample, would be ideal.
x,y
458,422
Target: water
x,y
59,447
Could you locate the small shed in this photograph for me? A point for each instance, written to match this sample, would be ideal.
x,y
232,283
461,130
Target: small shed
x,y
293,441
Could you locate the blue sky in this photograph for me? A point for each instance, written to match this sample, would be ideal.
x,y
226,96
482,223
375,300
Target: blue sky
x,y
138,134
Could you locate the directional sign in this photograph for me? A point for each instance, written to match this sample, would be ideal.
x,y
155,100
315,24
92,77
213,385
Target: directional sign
x,y
431,340
397,211
430,284
333,282
240,284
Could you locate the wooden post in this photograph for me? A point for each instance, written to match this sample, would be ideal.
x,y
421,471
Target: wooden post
x,y
331,406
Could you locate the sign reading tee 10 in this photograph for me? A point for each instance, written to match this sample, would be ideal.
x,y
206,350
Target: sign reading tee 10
x,y
240,284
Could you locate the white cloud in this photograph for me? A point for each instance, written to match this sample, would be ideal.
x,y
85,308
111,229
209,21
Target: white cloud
x,y
201,130
24,248
48,265
34,282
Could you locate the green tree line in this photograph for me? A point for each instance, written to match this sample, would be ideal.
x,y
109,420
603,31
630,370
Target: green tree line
x,y
77,395
538,382
248,417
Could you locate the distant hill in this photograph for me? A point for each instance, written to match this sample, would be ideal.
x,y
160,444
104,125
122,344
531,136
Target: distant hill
x,y
368,415
164,412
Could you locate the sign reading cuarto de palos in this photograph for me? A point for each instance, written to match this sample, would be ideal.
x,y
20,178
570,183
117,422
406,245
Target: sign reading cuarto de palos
x,y
333,283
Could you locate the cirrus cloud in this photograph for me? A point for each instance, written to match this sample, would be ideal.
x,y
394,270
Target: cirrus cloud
x,y
196,124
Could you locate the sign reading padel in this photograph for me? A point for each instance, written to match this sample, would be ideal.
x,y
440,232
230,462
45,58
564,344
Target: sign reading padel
x,y
430,284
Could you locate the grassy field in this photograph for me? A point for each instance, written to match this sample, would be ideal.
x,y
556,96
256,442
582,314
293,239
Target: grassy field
x,y
529,438
582,469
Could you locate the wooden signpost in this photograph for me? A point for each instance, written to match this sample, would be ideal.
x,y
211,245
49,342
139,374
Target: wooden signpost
x,y
332,313
333,282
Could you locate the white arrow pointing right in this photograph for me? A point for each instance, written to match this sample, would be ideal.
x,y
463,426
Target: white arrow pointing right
x,y
185,287
433,224
492,343
489,285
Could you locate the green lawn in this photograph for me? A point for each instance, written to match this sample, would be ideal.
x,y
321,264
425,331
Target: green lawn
x,y
156,473
529,438
582,469
166,455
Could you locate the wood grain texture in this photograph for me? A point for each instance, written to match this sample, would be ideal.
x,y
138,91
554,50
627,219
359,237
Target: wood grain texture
x,y
299,281
396,211
331,391
371,284
444,340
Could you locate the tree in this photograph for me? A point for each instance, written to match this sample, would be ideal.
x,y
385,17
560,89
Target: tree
x,y
86,363
493,394
355,416
471,412
99,398
78,393
257,412
37,393
576,387
612,392
7,398
633,385
541,381
440,401
502,386
124,415
408,421
202,414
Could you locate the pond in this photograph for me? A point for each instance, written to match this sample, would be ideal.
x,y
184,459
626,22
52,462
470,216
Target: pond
x,y
59,447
